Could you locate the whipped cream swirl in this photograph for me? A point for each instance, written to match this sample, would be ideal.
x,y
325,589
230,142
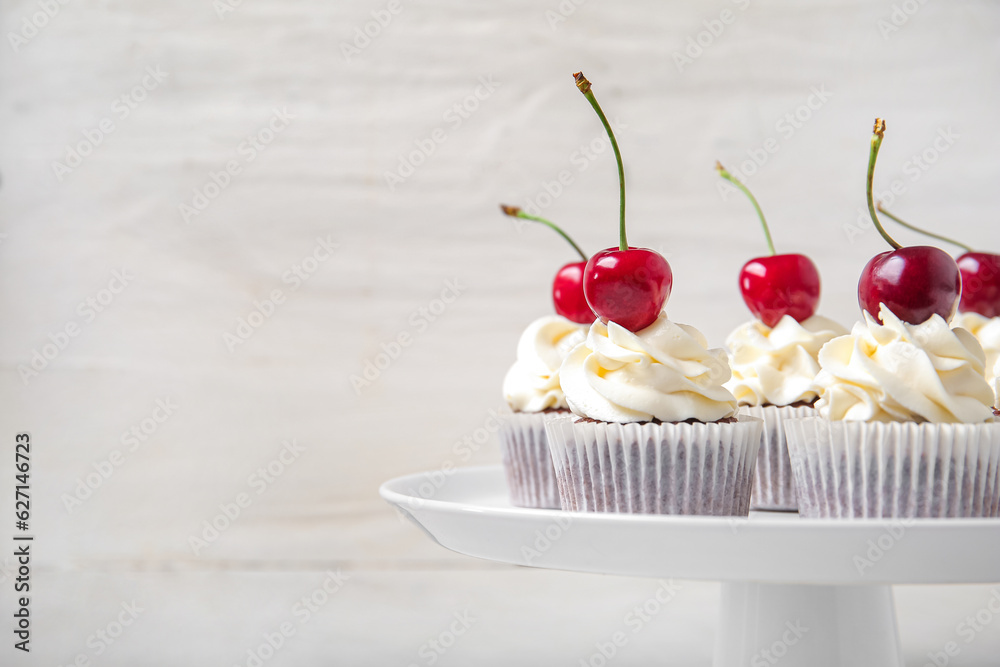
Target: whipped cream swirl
x,y
902,372
532,383
778,365
665,372
987,332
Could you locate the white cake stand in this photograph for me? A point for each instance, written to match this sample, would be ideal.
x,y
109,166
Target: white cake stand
x,y
810,593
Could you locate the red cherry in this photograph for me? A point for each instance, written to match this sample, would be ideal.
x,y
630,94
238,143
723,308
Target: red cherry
x,y
627,287
980,283
915,283
780,285
567,294
980,273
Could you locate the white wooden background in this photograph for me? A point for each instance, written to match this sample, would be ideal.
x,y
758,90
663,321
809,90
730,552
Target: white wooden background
x,y
930,68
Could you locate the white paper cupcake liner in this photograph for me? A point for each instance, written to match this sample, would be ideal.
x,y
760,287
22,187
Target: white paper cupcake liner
x,y
774,486
699,468
847,469
527,466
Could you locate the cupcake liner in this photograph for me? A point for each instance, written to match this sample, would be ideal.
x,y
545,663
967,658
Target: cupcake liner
x,y
531,481
849,469
773,486
648,468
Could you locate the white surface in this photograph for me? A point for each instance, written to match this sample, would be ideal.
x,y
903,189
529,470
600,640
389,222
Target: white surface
x,y
775,561
468,512
324,175
807,626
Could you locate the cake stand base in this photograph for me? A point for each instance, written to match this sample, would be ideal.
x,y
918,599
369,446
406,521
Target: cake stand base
x,y
807,626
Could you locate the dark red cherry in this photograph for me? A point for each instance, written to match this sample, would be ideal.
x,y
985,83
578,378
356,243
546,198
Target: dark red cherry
x,y
980,283
780,285
914,282
567,294
627,287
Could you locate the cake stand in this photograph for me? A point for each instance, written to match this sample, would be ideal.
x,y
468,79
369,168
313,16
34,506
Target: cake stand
x,y
810,593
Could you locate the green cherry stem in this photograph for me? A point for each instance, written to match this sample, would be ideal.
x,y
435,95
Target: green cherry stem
x,y
753,200
584,85
879,132
889,215
516,212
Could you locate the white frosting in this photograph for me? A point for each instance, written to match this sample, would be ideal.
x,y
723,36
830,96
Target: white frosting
x,y
665,371
904,372
996,383
987,332
778,365
532,383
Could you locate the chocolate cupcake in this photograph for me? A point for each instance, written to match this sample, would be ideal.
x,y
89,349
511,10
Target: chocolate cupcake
x,y
906,426
653,429
774,378
533,394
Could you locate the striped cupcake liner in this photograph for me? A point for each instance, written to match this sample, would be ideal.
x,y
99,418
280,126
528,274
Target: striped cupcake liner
x,y
773,485
649,468
524,448
850,469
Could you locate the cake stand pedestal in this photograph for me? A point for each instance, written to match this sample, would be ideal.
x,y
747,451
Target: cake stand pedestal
x,y
805,592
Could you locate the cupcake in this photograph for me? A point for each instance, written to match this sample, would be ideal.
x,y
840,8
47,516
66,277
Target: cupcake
x,y
987,332
774,356
533,394
653,430
774,378
906,426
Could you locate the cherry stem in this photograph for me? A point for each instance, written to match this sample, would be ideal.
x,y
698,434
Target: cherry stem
x,y
516,212
889,215
753,200
879,132
584,85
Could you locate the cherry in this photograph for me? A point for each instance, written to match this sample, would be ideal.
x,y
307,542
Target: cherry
x,y
624,285
776,285
567,294
980,283
780,285
980,274
567,288
915,283
628,287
